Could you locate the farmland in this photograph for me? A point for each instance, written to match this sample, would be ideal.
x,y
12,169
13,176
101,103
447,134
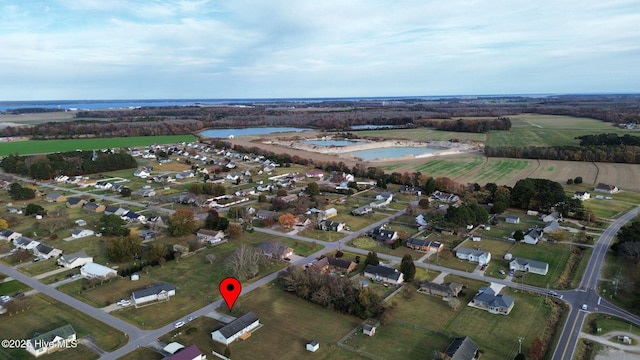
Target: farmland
x,y
50,146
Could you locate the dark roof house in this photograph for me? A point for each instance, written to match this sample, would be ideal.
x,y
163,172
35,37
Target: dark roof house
x,y
462,348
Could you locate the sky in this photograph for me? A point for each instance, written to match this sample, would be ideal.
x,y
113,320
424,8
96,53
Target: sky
x,y
161,49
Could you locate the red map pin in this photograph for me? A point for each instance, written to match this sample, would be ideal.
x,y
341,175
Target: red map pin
x,y
230,289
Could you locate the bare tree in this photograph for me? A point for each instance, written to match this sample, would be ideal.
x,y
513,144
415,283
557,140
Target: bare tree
x,y
454,303
211,258
244,263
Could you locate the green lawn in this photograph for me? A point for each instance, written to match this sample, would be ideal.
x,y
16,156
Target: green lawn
x,y
556,255
12,287
48,146
45,314
421,134
451,167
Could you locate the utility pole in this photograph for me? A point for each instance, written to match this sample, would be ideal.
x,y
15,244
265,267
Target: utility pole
x,y
520,338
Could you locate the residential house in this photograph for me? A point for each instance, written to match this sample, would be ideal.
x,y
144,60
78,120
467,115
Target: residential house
x,y
445,290
551,217
315,173
384,274
74,260
189,353
512,219
115,210
133,216
61,178
532,236
424,245
479,256
9,235
462,348
25,243
582,195
551,226
421,221
266,214
445,197
274,250
239,328
46,252
408,189
382,200
159,222
103,185
328,225
341,265
75,202
302,221
156,292
362,210
530,266
96,271
143,172
55,340
55,197
185,175
388,237
289,198
605,188
93,207
487,299
80,233
210,236
321,264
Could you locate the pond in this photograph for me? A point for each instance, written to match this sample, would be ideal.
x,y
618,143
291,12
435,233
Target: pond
x,y
333,142
392,152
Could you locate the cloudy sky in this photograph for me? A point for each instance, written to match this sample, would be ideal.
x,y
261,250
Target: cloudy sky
x,y
120,49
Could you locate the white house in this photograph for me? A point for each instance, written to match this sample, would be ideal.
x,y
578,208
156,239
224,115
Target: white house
x,y
532,236
210,236
80,233
74,260
605,188
46,252
188,353
532,266
58,339
551,217
9,235
384,274
512,219
479,256
25,243
582,195
142,173
96,271
156,292
237,329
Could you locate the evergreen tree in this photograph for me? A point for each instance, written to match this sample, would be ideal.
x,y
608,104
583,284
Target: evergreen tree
x,y
372,259
408,268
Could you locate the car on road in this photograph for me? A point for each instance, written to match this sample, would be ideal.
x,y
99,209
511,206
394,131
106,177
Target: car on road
x,y
553,293
179,324
191,318
584,306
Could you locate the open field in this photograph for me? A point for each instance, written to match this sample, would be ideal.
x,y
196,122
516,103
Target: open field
x,y
46,314
50,146
421,134
500,171
548,130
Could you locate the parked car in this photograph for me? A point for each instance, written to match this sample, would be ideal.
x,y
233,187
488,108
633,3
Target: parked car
x,y
501,272
179,324
191,318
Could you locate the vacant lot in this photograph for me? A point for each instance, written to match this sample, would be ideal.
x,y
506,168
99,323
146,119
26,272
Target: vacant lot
x,y
48,146
46,314
500,171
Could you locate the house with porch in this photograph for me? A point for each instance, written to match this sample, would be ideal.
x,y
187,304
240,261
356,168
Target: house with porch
x,y
384,274
74,260
341,265
46,252
383,235
158,292
462,348
328,225
57,339
582,195
275,251
25,243
239,328
479,256
9,235
529,266
424,245
606,188
532,236
445,290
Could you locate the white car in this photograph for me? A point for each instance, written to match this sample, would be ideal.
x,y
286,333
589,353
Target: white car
x,y
584,306
179,324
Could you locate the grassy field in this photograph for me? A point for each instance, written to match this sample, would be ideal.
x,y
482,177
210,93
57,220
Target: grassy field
x,y
421,134
46,314
555,255
11,287
48,146
547,130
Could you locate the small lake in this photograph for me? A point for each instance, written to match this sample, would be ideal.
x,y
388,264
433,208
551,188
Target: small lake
x,y
224,133
371,127
333,142
392,152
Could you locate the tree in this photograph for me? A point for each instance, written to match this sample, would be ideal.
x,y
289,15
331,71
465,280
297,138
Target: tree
x,y
123,249
182,222
518,235
125,192
372,259
424,203
235,231
3,224
408,268
244,263
34,209
236,212
211,222
535,353
156,251
211,257
112,225
287,220
20,255
569,181
577,180
520,356
312,189
17,192
223,224
454,303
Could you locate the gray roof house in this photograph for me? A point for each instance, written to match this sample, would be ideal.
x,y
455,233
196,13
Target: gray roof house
x,y
488,300
462,348
479,256
51,341
74,260
531,266
156,292
532,236
384,274
237,329
446,290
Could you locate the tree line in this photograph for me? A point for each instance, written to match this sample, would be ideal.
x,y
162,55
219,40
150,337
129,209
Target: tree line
x,y
472,126
595,153
610,139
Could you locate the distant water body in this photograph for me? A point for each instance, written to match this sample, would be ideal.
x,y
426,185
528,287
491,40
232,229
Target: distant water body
x,y
132,103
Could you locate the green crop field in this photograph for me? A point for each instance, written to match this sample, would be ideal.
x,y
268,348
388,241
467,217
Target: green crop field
x,y
548,130
27,147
